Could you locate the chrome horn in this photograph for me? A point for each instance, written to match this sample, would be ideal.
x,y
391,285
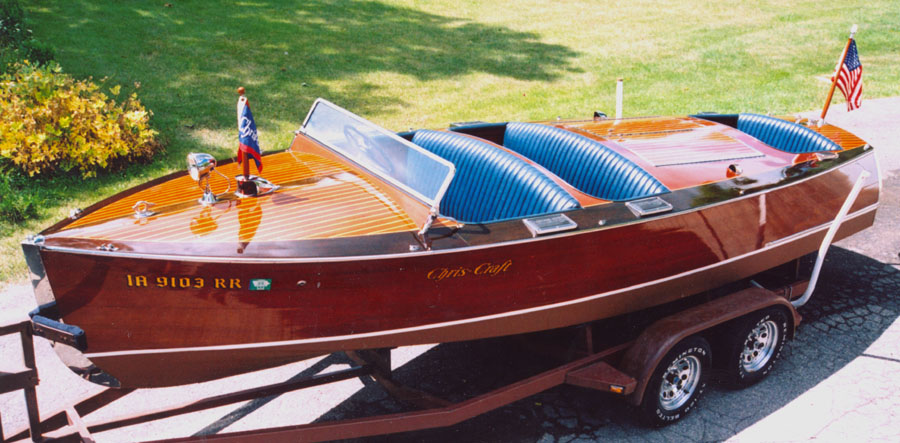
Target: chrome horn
x,y
199,167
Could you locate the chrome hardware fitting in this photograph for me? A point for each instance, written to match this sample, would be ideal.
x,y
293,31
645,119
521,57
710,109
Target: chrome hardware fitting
x,y
432,216
253,186
75,213
34,239
199,167
548,224
108,247
142,209
821,156
649,206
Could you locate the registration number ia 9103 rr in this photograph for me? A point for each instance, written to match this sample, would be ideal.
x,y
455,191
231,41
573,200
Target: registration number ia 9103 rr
x,y
143,281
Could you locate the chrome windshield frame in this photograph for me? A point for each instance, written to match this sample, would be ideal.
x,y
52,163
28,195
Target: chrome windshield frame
x,y
433,204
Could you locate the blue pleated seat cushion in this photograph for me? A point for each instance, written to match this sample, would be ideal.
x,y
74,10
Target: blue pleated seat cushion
x,y
586,164
784,135
491,184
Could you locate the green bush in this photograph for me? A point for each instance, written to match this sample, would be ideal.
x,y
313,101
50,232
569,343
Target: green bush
x,y
16,40
12,23
16,204
51,122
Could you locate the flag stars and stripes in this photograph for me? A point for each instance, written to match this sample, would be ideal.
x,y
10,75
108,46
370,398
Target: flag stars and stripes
x,y
849,77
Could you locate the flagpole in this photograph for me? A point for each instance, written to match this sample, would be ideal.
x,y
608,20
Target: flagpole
x,y
246,163
837,69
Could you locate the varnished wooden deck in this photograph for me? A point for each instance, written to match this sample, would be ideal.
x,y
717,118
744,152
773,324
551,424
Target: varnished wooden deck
x,y
319,198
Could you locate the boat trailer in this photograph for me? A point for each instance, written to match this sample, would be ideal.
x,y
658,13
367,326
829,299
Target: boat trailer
x,y
625,370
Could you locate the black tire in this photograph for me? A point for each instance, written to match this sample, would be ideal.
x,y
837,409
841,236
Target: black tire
x,y
677,383
754,345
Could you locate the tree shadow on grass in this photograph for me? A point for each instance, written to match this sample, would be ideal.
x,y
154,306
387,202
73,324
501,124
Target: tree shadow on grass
x,y
192,55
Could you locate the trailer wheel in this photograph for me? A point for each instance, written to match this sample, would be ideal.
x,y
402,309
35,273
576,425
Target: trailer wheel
x,y
756,342
677,383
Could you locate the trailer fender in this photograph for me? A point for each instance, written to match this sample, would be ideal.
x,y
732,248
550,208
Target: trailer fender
x,y
645,354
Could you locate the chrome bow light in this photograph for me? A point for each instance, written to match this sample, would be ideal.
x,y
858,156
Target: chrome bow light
x,y
199,164
199,167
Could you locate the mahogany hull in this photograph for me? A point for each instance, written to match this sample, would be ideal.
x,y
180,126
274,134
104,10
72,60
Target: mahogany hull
x,y
145,314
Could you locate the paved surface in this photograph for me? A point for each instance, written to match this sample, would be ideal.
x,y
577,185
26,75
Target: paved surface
x,y
836,381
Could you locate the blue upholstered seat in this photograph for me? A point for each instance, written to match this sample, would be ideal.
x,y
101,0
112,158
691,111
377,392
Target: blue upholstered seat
x,y
586,164
784,135
491,184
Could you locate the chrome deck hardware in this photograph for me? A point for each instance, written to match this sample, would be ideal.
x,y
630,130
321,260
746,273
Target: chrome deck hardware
x,y
649,206
548,224
142,209
253,186
34,238
199,167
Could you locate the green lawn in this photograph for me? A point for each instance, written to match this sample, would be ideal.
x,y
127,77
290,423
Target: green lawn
x,y
411,64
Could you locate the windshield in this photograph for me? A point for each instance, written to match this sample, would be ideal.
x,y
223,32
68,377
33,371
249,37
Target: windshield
x,y
416,171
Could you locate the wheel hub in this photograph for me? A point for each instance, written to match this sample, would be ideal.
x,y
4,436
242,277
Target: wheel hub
x,y
759,346
679,382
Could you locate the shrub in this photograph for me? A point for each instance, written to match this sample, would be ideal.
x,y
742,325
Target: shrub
x,y
16,40
51,122
12,23
17,205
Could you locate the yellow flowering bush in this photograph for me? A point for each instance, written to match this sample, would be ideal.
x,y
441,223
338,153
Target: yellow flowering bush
x,y
50,122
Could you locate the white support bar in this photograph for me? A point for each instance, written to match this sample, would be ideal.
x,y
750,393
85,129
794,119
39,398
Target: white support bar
x,y
620,92
829,237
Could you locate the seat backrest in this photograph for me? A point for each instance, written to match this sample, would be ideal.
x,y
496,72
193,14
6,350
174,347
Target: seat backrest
x,y
784,135
491,184
586,164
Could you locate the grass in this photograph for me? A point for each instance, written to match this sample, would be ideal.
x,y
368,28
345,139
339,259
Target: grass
x,y
425,63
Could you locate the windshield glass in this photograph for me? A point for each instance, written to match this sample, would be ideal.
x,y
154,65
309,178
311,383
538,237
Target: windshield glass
x,y
416,171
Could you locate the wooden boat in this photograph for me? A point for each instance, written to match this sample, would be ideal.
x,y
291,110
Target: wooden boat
x,y
363,238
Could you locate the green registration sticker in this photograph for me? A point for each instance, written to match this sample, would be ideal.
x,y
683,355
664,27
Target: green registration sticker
x,y
260,284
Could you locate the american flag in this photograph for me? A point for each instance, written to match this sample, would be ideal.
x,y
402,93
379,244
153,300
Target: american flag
x,y
849,77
